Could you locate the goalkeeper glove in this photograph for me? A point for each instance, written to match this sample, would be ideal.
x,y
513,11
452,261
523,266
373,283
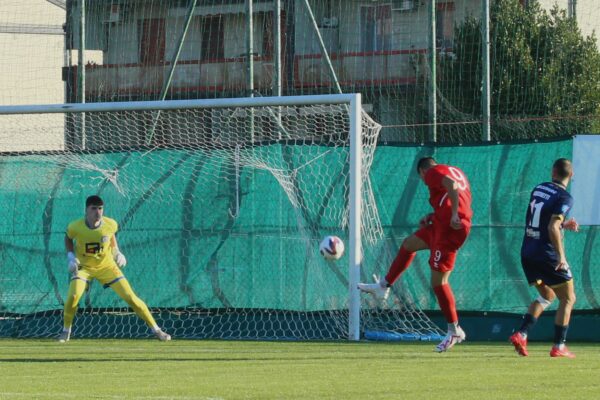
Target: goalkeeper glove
x,y
73,262
119,258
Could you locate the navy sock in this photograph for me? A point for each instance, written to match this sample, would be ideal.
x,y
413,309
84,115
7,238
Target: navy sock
x,y
560,334
528,322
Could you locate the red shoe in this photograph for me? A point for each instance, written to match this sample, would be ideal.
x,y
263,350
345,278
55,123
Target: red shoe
x,y
520,343
556,352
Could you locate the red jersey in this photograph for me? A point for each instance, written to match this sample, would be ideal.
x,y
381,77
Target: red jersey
x,y
438,195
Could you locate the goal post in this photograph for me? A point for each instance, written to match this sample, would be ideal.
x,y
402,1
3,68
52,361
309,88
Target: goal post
x,y
221,205
355,251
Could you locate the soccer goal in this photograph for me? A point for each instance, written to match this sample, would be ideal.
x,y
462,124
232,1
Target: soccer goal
x,y
221,205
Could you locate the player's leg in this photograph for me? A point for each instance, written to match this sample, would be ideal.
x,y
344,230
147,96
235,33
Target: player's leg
x,y
445,297
444,248
545,298
113,277
543,301
124,290
410,245
76,290
405,256
566,297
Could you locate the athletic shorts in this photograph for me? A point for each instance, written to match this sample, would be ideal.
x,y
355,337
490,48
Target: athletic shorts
x,y
443,243
538,272
106,275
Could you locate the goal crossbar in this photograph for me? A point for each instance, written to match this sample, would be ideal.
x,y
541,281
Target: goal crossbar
x,y
180,104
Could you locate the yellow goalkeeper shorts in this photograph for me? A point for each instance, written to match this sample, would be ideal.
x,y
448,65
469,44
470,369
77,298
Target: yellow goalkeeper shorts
x,y
106,275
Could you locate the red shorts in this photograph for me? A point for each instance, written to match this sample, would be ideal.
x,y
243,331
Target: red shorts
x,y
443,243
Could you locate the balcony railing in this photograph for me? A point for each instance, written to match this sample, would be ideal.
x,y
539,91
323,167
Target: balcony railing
x,y
381,68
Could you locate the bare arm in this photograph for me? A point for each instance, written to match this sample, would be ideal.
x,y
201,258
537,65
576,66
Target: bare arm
x,y
452,189
113,242
555,236
69,244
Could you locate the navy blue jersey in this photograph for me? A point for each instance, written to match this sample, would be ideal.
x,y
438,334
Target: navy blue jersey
x,y
546,199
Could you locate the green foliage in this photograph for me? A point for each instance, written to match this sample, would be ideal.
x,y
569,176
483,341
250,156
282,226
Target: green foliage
x,y
545,76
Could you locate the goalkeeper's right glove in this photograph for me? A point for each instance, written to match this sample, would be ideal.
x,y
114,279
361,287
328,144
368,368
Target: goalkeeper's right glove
x,y
73,262
119,257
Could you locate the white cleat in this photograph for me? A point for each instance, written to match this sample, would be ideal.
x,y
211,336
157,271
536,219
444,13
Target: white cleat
x,y
450,340
162,336
64,337
376,289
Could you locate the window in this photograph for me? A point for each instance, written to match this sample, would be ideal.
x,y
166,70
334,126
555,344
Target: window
x,y
152,41
376,28
444,26
212,38
267,20
268,40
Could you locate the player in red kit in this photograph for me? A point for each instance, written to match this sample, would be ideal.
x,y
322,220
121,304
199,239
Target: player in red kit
x,y
443,232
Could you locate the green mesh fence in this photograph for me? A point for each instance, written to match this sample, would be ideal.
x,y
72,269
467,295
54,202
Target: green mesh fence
x,y
178,255
488,275
204,253
544,58
191,255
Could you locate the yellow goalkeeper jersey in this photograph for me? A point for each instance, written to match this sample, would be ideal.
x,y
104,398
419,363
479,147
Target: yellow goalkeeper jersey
x,y
92,246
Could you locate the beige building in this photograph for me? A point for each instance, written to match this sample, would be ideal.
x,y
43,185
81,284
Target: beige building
x,y
370,41
376,46
587,12
32,49
32,46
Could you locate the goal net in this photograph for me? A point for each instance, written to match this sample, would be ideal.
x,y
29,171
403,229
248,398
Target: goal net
x,y
221,205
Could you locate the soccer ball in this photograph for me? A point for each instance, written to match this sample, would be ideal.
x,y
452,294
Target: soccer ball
x,y
332,248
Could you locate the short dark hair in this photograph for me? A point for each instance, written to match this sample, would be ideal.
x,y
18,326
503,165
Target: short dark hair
x,y
93,201
562,168
425,163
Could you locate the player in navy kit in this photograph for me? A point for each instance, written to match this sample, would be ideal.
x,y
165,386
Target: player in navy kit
x,y
543,257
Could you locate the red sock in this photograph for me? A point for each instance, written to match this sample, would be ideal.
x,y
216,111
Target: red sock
x,y
399,265
446,301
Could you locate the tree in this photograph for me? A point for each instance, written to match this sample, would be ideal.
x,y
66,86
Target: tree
x,y
545,76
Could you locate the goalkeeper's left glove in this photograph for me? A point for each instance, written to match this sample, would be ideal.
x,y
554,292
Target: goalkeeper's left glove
x,y
119,258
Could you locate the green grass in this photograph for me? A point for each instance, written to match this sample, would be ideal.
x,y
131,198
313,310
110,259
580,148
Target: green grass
x,y
143,369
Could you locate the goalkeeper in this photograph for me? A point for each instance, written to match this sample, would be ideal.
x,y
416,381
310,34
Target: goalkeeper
x,y
93,253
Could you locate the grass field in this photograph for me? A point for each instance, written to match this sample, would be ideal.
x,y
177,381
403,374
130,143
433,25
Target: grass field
x,y
144,369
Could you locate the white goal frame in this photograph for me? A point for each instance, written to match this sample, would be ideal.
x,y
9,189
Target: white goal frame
x,y
354,103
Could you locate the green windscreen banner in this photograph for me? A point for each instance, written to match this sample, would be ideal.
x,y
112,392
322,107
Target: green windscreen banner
x,y
488,274
199,234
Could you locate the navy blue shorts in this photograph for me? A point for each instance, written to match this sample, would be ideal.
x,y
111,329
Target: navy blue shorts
x,y
543,272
